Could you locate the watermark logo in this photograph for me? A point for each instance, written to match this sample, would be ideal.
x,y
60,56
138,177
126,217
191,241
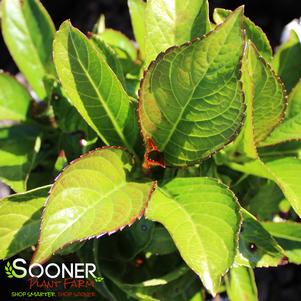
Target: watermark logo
x,y
11,273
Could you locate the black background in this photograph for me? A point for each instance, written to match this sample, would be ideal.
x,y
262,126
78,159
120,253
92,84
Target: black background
x,y
275,284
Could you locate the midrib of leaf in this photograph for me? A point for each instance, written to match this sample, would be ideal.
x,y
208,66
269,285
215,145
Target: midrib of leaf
x,y
85,212
112,119
192,92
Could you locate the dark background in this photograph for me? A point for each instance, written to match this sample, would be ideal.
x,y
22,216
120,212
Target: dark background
x,y
270,15
275,284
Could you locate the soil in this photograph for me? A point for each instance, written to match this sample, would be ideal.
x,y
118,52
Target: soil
x,y
276,284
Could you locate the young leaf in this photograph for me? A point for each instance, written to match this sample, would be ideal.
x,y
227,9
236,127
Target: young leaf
x,y
202,216
257,248
288,235
14,99
173,22
19,145
241,285
19,221
285,63
188,108
93,196
93,88
137,12
28,33
253,32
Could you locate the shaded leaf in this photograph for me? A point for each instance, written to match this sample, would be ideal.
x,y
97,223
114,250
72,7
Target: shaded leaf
x,y
28,33
173,22
14,99
94,89
19,220
187,111
96,191
257,248
19,145
203,208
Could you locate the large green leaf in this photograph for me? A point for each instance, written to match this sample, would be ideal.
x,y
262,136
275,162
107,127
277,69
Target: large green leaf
x,y
257,248
269,102
285,61
253,32
14,99
173,22
241,285
288,235
202,216
93,196
28,33
137,12
19,145
188,108
93,88
19,221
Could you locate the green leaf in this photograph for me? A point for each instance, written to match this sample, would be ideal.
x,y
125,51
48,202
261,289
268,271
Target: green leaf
x,y
118,40
195,211
290,128
269,102
253,32
187,108
285,172
137,13
257,248
161,242
294,102
19,221
288,235
241,285
28,33
14,99
19,145
173,22
94,89
285,63
109,56
93,196
265,203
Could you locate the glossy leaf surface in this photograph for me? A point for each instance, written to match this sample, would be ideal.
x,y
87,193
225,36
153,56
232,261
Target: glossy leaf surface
x,y
93,196
187,108
202,216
